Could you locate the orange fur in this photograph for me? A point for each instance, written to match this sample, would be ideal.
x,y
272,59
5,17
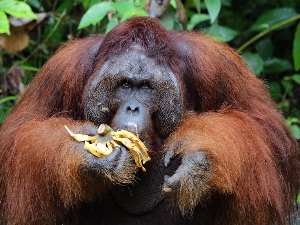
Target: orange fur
x,y
229,115
39,164
244,165
41,177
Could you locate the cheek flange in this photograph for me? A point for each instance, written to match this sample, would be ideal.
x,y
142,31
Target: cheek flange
x,y
99,107
170,110
165,102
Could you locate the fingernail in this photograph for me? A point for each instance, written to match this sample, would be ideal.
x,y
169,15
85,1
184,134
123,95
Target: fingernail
x,y
166,189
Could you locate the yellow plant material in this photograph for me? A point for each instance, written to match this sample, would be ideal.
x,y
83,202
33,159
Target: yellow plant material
x,y
103,143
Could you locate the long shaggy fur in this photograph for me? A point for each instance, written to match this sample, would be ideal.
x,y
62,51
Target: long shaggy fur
x,y
229,116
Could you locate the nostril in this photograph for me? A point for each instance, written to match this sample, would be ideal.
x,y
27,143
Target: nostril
x,y
132,110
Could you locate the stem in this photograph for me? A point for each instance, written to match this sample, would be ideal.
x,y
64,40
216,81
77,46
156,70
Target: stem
x,y
104,129
181,14
263,33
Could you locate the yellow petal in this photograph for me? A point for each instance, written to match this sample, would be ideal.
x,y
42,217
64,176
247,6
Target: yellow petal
x,y
137,155
92,149
80,137
136,141
103,149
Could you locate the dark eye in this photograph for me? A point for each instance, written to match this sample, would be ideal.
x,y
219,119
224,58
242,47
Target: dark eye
x,y
126,84
145,86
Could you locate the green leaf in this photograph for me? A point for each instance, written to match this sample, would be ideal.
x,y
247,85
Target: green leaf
x,y
139,12
89,3
254,62
296,78
173,4
36,4
213,7
276,65
265,48
198,5
167,20
95,14
296,48
124,7
223,32
220,38
296,131
128,10
295,111
196,19
272,17
288,87
275,90
284,106
57,36
140,3
226,3
17,9
9,98
3,112
4,23
65,6
29,68
111,24
291,120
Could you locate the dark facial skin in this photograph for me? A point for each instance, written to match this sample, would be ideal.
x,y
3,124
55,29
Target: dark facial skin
x,y
133,89
133,92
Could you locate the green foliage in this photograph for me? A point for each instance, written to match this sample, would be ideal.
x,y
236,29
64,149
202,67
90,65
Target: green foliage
x,y
296,48
272,17
254,61
196,19
4,23
277,65
9,98
123,9
17,9
36,4
221,33
292,121
197,5
14,8
266,33
213,8
170,21
95,14
4,110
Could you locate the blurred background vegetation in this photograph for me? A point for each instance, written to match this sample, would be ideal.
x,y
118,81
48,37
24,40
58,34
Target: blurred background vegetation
x,y
266,33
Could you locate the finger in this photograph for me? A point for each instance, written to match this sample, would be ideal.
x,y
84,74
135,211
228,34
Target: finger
x,y
114,155
93,165
173,182
168,157
123,159
165,186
